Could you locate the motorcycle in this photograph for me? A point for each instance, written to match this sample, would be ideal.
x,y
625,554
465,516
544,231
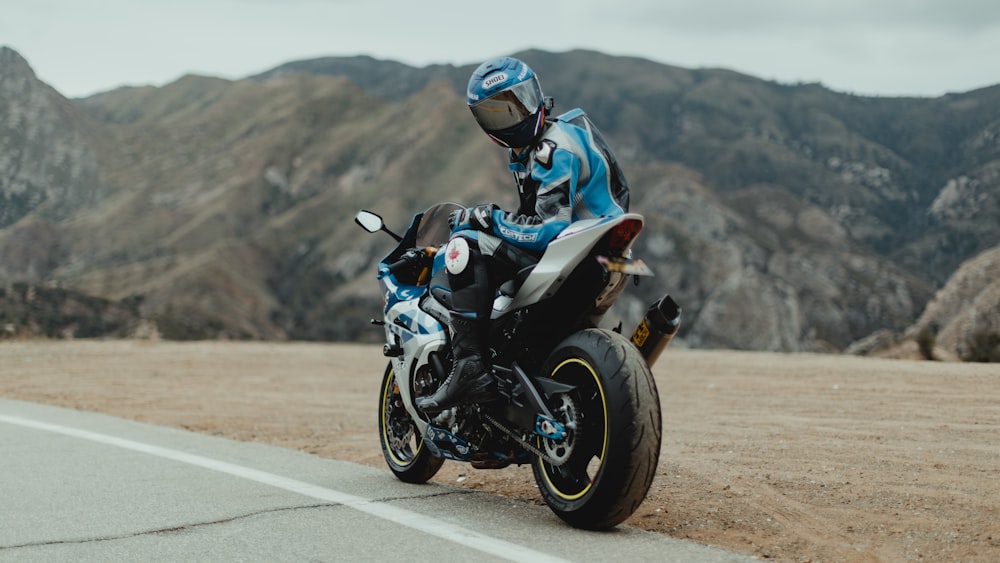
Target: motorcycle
x,y
577,402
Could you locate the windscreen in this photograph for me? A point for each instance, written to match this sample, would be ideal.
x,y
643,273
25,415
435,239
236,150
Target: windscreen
x,y
434,229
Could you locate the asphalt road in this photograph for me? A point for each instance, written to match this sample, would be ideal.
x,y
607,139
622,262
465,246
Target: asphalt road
x,y
88,487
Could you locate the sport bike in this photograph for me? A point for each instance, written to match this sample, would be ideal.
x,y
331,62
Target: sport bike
x,y
577,402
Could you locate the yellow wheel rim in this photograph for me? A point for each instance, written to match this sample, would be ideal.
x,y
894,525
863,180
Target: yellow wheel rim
x,y
604,441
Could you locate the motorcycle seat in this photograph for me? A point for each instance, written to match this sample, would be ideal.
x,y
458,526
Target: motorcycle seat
x,y
509,288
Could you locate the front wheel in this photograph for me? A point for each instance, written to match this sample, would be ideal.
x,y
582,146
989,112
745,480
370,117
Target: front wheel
x,y
402,446
606,463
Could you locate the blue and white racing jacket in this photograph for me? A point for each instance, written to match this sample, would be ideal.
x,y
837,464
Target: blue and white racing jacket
x,y
570,174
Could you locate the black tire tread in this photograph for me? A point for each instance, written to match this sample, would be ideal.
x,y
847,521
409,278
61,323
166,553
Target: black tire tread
x,y
423,467
634,420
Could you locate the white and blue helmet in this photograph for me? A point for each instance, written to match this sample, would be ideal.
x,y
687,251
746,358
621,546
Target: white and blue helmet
x,y
507,101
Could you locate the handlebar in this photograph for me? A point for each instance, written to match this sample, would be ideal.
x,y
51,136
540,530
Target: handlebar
x,y
396,266
415,257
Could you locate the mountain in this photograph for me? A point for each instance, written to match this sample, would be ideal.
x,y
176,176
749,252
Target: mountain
x,y
781,217
48,165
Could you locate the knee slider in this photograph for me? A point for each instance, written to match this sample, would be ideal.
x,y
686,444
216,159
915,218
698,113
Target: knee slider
x,y
456,256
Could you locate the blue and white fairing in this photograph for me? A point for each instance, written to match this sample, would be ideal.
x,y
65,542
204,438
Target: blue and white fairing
x,y
414,331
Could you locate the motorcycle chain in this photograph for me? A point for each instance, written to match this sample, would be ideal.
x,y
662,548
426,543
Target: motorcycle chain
x,y
521,441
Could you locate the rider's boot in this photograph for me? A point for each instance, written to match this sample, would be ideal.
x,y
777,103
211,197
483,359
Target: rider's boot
x,y
470,380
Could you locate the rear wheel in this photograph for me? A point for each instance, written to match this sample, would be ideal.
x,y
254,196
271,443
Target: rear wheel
x,y
402,446
602,470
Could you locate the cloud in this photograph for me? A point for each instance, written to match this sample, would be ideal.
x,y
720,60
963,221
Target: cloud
x,y
923,47
728,16
918,47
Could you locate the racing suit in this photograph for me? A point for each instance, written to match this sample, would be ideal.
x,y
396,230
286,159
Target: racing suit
x,y
569,174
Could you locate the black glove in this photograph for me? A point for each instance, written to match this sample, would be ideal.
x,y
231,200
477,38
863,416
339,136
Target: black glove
x,y
479,217
456,218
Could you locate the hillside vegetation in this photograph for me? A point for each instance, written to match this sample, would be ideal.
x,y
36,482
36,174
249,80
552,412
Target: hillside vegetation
x,y
781,217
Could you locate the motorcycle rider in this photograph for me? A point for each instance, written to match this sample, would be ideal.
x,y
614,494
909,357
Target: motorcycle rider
x,y
564,171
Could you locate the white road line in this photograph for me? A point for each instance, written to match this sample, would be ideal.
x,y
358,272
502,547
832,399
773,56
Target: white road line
x,y
415,520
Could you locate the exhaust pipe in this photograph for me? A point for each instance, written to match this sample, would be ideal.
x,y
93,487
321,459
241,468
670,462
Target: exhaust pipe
x,y
657,328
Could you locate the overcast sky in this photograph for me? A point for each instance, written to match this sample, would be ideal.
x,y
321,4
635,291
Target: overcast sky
x,y
868,47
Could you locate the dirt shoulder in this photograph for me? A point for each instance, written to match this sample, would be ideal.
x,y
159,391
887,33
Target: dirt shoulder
x,y
791,457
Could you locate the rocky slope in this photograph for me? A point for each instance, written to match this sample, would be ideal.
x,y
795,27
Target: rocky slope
x,y
963,318
780,217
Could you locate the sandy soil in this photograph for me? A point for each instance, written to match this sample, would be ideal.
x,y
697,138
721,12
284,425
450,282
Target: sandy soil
x,y
790,457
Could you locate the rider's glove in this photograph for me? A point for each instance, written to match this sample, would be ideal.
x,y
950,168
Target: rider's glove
x,y
456,219
479,217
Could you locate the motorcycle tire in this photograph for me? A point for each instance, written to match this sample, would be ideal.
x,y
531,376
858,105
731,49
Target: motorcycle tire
x,y
402,445
609,458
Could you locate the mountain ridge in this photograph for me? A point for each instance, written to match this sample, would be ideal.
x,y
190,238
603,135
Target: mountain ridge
x,y
780,215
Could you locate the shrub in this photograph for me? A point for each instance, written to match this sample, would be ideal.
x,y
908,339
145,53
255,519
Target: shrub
x,y
926,339
983,346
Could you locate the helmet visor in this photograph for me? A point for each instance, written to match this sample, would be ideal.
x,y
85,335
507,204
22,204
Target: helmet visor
x,y
509,107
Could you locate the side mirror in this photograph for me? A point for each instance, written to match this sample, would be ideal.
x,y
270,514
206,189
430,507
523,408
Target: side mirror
x,y
369,221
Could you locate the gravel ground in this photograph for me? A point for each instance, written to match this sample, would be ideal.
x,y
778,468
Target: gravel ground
x,y
792,457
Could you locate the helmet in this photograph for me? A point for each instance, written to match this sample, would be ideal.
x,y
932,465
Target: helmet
x,y
507,101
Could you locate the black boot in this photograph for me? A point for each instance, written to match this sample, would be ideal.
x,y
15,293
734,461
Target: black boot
x,y
470,380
